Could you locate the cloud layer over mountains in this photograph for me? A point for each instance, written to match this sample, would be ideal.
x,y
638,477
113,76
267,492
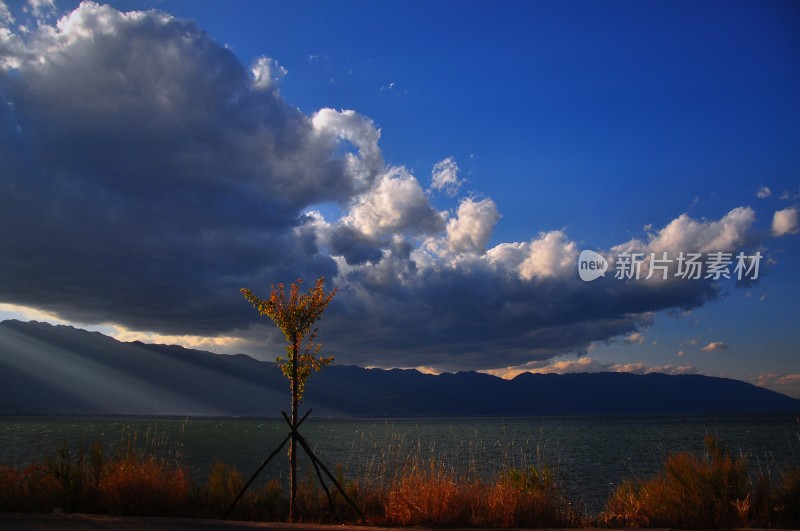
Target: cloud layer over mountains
x,y
146,175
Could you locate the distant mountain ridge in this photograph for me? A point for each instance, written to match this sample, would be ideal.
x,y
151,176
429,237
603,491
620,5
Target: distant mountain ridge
x,y
48,369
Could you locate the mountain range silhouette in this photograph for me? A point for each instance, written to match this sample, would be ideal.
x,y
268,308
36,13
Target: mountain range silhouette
x,y
57,369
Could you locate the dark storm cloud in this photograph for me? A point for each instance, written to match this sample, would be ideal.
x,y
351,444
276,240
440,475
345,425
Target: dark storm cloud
x,y
146,175
471,317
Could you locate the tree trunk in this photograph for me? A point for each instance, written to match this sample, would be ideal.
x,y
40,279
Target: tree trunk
x,y
293,445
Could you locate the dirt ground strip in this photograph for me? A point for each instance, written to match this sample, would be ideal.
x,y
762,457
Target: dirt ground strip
x,y
71,522
53,522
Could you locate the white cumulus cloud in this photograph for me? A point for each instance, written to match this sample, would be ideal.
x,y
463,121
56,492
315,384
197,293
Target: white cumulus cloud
x,y
266,72
336,126
444,177
469,231
784,222
551,255
714,346
690,235
396,204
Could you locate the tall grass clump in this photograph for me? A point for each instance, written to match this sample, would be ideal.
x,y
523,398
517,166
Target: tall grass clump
x,y
716,491
29,489
529,497
88,479
429,496
427,492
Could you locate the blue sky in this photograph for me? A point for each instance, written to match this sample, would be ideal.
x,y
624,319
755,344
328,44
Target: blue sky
x,y
572,125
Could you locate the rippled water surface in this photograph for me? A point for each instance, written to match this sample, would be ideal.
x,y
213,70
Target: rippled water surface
x,y
590,454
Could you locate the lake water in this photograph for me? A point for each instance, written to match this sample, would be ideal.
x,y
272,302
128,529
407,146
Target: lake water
x,y
592,455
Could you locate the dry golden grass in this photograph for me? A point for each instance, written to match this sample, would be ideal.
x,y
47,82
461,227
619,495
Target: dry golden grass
x,y
129,483
434,496
713,491
431,497
143,486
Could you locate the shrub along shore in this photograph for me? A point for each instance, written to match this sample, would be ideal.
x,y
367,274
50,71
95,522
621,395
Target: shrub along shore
x,y
715,490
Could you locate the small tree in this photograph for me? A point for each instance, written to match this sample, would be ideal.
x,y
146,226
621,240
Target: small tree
x,y
295,316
